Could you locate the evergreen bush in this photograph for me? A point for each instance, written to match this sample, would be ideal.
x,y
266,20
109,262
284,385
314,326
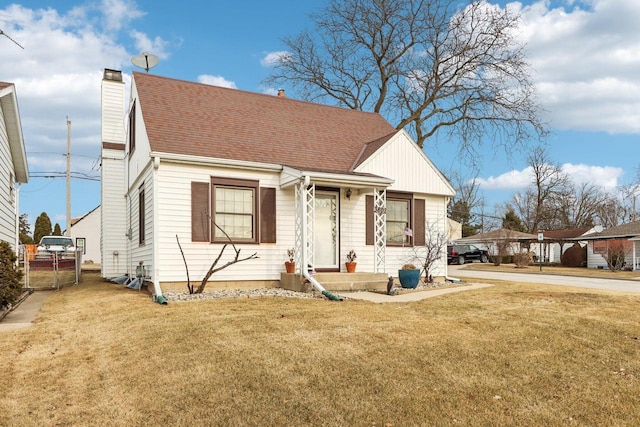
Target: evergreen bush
x,y
10,286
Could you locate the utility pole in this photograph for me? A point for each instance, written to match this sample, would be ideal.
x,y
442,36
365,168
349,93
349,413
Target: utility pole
x,y
68,231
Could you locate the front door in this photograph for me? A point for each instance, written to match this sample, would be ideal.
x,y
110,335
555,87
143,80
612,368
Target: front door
x,y
326,233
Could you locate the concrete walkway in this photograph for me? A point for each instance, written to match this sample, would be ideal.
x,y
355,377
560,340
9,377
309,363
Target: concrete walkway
x,y
25,313
608,284
410,296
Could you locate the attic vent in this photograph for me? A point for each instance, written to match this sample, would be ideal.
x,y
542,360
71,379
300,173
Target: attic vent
x,y
281,93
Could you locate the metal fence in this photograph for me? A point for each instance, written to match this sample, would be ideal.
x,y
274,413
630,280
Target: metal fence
x,y
52,272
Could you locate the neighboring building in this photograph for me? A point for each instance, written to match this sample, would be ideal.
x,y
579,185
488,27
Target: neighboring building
x,y
85,232
508,242
454,230
273,172
13,164
624,237
556,242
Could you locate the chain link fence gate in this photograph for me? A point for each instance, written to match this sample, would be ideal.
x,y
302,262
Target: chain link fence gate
x,y
51,272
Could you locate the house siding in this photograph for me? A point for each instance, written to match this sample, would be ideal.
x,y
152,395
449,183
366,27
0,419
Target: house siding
x,y
113,226
87,228
7,202
399,159
174,199
595,260
113,103
141,251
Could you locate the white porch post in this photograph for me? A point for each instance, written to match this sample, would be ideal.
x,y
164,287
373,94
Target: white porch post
x,y
380,229
305,212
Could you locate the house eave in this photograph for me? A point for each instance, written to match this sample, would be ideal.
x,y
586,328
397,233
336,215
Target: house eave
x,y
9,105
211,161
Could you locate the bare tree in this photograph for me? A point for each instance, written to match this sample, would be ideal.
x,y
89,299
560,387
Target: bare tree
x,y
577,206
465,202
431,252
214,268
616,253
535,206
427,65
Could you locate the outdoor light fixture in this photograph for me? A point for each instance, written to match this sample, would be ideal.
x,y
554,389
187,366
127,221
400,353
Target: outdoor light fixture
x,y
348,194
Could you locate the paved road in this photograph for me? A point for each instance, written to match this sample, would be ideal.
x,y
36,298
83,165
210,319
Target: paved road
x,y
459,271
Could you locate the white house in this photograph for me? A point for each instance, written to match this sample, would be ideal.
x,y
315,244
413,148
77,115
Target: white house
x,y
85,232
272,172
623,239
13,164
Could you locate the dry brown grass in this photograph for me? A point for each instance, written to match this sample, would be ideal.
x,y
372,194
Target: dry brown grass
x,y
512,354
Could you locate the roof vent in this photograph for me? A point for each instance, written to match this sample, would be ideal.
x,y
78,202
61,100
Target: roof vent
x,y
281,93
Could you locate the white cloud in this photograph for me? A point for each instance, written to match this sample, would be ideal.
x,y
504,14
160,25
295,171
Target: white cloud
x,y
216,81
601,176
272,58
605,177
586,56
57,75
119,13
514,179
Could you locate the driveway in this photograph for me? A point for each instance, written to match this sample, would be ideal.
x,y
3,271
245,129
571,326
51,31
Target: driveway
x,y
459,271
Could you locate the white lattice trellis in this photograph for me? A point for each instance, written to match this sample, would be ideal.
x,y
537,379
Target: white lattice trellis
x,y
380,229
305,213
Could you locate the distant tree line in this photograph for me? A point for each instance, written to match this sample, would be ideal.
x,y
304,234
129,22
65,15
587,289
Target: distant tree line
x,y
42,227
551,201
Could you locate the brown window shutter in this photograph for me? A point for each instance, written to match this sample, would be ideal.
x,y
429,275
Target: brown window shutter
x,y
267,215
419,223
369,220
200,212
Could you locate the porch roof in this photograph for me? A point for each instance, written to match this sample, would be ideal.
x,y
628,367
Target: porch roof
x,y
501,234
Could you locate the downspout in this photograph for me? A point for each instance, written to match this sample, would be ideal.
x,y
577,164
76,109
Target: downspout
x,y
17,215
304,268
157,290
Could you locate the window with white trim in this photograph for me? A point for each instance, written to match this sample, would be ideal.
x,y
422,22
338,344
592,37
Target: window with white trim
x,y
398,219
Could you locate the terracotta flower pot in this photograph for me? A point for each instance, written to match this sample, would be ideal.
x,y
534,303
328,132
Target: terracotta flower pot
x,y
351,267
290,266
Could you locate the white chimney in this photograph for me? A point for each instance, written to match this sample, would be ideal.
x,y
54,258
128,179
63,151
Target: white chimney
x,y
113,107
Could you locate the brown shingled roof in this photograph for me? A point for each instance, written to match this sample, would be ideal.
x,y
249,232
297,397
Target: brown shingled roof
x,y
629,229
4,85
567,233
202,120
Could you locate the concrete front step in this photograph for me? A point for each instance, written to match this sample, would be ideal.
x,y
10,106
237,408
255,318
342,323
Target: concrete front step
x,y
337,281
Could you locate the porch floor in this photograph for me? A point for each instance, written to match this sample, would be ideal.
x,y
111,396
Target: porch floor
x,y
336,282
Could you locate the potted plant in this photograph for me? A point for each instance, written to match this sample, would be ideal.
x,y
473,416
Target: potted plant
x,y
351,261
290,264
409,276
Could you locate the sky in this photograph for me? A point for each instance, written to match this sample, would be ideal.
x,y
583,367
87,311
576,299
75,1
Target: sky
x,y
585,58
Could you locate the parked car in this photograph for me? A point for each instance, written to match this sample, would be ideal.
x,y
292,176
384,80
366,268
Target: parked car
x,y
462,253
61,245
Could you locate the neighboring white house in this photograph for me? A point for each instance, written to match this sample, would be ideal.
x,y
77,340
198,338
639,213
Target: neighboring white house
x,y
624,237
273,172
85,232
13,164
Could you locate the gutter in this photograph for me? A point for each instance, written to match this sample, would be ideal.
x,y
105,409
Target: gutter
x,y
317,286
157,290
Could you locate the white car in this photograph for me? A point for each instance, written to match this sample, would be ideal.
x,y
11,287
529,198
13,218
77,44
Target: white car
x,y
61,245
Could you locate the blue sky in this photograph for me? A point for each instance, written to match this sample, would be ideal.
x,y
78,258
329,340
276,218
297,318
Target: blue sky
x,y
585,56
